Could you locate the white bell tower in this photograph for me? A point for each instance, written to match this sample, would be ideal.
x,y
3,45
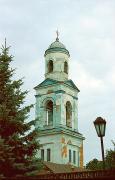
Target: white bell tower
x,y
57,110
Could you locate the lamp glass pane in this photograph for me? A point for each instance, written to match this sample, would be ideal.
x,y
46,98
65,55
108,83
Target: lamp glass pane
x,y
97,127
102,129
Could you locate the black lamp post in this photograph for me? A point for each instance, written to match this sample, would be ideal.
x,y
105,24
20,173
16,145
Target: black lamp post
x,y
100,125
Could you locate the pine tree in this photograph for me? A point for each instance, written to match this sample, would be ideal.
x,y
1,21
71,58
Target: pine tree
x,y
18,144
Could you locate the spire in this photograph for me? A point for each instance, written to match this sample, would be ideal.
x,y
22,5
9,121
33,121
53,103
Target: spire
x,y
57,38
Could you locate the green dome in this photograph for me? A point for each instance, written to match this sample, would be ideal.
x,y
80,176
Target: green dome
x,y
57,46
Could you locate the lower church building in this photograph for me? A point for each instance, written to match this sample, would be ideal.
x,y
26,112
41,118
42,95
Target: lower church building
x,y
57,110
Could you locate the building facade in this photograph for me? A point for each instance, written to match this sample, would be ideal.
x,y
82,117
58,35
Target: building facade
x,y
57,110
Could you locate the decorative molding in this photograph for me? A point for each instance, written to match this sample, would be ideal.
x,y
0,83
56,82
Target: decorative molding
x,y
46,144
60,91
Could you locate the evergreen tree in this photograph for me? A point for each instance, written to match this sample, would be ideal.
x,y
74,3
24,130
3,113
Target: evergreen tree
x,y
18,144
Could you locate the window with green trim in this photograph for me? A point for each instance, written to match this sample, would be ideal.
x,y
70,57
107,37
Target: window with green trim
x,y
70,155
74,157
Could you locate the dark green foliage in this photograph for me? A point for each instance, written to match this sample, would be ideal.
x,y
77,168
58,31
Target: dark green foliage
x,y
110,159
98,165
18,143
94,165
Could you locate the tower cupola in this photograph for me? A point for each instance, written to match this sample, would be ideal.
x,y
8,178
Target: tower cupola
x,y
56,61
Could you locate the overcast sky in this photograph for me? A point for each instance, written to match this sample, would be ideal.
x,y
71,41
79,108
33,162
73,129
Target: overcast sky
x,y
87,29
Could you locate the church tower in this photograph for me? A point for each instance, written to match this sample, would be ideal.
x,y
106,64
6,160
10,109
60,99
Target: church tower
x,y
57,110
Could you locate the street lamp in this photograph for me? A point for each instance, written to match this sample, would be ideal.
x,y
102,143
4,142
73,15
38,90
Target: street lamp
x,y
100,125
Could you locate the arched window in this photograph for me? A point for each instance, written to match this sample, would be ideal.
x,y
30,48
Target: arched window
x,y
50,66
65,67
49,112
68,114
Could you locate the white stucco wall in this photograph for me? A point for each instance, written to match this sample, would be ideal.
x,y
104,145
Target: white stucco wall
x,y
57,143
58,64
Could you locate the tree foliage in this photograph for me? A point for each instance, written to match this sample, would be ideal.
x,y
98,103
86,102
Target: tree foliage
x,y
95,164
18,144
110,159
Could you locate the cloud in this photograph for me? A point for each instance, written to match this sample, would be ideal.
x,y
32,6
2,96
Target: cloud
x,y
85,80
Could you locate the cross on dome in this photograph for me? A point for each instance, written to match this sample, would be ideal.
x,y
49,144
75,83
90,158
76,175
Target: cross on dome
x,y
57,38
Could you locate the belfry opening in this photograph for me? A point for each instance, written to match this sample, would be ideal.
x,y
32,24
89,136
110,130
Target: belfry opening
x,y
49,113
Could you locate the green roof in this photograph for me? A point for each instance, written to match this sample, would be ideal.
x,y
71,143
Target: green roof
x,y
65,130
49,82
57,46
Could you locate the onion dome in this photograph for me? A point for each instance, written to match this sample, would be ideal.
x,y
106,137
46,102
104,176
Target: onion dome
x,y
57,46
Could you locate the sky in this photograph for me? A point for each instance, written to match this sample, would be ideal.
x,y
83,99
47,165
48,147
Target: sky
x,y
87,29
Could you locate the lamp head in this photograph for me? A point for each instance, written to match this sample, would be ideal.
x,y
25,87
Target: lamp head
x,y
100,125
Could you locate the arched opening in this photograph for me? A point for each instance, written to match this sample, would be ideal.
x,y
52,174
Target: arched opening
x,y
49,112
65,67
50,66
68,114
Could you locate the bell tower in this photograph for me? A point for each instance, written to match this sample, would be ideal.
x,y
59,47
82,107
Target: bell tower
x,y
57,110
56,61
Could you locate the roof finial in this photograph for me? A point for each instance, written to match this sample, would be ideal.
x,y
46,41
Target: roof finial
x,y
57,38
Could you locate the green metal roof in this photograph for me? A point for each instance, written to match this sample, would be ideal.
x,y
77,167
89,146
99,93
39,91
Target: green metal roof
x,y
49,82
56,46
65,130
46,82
